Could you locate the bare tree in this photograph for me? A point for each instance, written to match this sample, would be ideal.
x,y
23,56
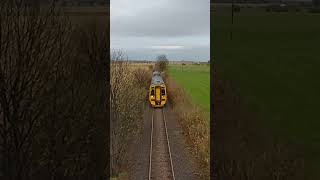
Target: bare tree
x,y
31,54
52,95
162,63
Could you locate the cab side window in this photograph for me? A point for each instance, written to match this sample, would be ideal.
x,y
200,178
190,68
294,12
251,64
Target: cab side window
x,y
163,92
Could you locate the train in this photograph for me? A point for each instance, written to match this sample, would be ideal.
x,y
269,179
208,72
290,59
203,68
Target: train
x,y
157,91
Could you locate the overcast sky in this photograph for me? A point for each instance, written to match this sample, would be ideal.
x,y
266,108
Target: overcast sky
x,y
146,28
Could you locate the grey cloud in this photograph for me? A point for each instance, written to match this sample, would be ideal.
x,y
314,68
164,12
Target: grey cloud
x,y
139,25
175,18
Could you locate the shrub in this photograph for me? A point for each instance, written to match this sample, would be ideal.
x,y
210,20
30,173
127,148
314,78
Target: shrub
x,y
142,77
127,96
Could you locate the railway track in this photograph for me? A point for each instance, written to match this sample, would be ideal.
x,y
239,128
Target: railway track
x,y
160,161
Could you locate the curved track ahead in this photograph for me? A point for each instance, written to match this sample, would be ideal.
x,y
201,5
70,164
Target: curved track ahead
x,y
160,161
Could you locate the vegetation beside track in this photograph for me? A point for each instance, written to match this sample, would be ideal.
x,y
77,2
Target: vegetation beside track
x,y
194,125
272,62
128,103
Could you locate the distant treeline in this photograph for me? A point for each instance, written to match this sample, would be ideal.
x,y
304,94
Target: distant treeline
x,y
301,3
71,2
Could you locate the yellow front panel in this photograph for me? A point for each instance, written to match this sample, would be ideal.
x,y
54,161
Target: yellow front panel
x,y
158,96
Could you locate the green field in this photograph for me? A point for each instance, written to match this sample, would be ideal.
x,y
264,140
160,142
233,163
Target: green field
x,y
273,61
195,80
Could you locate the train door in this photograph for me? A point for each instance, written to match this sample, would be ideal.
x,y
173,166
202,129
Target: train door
x,y
158,95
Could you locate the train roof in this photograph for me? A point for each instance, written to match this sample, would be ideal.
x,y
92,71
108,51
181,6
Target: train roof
x,y
156,73
156,79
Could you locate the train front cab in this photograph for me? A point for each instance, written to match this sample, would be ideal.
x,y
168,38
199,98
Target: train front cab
x,y
157,95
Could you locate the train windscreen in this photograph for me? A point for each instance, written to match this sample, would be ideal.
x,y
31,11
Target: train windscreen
x,y
163,91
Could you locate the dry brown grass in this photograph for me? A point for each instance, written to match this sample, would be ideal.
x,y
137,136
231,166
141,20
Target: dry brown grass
x,y
195,127
144,66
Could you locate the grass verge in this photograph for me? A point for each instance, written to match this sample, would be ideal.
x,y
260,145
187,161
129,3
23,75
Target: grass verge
x,y
195,80
195,127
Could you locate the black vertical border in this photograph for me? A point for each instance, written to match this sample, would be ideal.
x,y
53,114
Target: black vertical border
x,y
107,90
212,90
